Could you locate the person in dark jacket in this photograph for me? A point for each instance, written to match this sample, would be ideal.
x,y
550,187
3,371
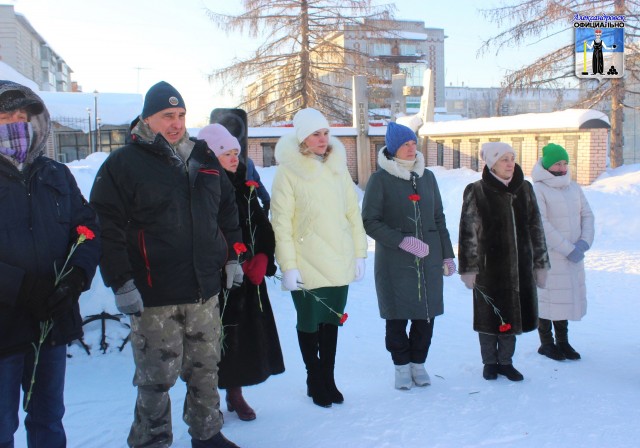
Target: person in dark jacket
x,y
503,257
43,212
402,211
263,194
251,348
169,221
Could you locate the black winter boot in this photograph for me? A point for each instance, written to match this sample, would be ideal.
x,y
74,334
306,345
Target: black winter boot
x,y
552,351
490,372
328,342
568,351
316,388
562,339
510,372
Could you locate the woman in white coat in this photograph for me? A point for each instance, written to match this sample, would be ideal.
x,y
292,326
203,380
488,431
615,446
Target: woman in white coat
x,y
569,228
320,242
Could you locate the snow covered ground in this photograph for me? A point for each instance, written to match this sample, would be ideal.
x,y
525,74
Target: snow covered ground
x,y
593,402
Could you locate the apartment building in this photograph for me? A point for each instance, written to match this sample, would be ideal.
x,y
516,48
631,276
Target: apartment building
x,y
22,48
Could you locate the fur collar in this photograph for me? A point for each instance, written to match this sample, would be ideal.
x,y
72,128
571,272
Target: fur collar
x,y
540,174
392,167
288,156
516,182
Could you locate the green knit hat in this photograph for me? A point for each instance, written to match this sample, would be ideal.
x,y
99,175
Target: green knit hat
x,y
553,153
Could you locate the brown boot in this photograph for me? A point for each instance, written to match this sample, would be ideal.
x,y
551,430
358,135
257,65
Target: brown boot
x,y
236,403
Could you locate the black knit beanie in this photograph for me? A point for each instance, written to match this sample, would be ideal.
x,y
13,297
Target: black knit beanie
x,y
161,96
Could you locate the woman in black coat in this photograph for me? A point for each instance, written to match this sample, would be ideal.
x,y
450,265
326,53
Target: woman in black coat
x,y
250,346
502,257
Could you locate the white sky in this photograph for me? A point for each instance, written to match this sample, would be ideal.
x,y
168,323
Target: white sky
x,y
126,46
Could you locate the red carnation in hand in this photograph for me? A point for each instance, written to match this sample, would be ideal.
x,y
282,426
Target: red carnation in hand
x,y
240,248
414,197
86,232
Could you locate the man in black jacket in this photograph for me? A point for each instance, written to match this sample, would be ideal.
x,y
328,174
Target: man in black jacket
x,y
42,217
169,221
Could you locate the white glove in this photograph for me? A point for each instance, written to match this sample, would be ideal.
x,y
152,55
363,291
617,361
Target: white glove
x,y
360,268
234,274
291,280
128,299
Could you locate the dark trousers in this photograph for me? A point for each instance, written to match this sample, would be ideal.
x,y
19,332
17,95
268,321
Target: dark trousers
x,y
43,422
497,348
413,347
546,335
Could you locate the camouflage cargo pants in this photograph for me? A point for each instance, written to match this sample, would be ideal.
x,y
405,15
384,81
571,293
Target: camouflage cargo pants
x,y
172,341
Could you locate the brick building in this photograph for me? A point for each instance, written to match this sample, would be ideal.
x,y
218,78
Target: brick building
x,y
456,144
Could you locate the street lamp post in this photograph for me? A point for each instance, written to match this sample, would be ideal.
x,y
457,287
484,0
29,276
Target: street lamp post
x,y
97,120
90,137
98,139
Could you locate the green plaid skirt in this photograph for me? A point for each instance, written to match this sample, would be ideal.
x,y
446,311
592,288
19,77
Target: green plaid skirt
x,y
319,306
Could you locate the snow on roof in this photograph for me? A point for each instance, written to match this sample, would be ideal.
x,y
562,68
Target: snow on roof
x,y
566,119
113,108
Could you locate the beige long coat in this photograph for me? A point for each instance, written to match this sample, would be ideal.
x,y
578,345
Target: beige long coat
x,y
567,218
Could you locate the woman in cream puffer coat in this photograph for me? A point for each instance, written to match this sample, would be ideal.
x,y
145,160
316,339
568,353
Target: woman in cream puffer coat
x,y
569,228
320,241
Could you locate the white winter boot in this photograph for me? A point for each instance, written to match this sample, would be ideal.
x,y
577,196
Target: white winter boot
x,y
419,375
403,377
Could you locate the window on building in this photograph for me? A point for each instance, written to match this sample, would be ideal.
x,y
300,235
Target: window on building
x,y
475,144
380,49
408,49
440,152
268,157
456,154
72,146
110,140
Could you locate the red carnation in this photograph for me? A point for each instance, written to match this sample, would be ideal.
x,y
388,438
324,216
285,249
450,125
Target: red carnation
x,y
344,318
414,197
86,232
504,328
240,248
252,183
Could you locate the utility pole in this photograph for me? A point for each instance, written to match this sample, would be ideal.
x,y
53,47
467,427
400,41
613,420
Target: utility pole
x,y
138,77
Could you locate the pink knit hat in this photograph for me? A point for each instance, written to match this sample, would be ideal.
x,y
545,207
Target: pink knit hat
x,y
218,139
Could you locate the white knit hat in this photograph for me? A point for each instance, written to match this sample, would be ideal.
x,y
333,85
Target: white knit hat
x,y
219,139
492,151
308,121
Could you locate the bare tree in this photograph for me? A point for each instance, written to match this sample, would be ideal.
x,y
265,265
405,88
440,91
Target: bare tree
x,y
301,61
534,18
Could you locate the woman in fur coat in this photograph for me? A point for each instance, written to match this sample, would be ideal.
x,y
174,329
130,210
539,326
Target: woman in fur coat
x,y
503,256
320,242
251,347
568,227
402,211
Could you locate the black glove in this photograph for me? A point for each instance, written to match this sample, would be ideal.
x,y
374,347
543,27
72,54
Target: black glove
x,y
66,294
